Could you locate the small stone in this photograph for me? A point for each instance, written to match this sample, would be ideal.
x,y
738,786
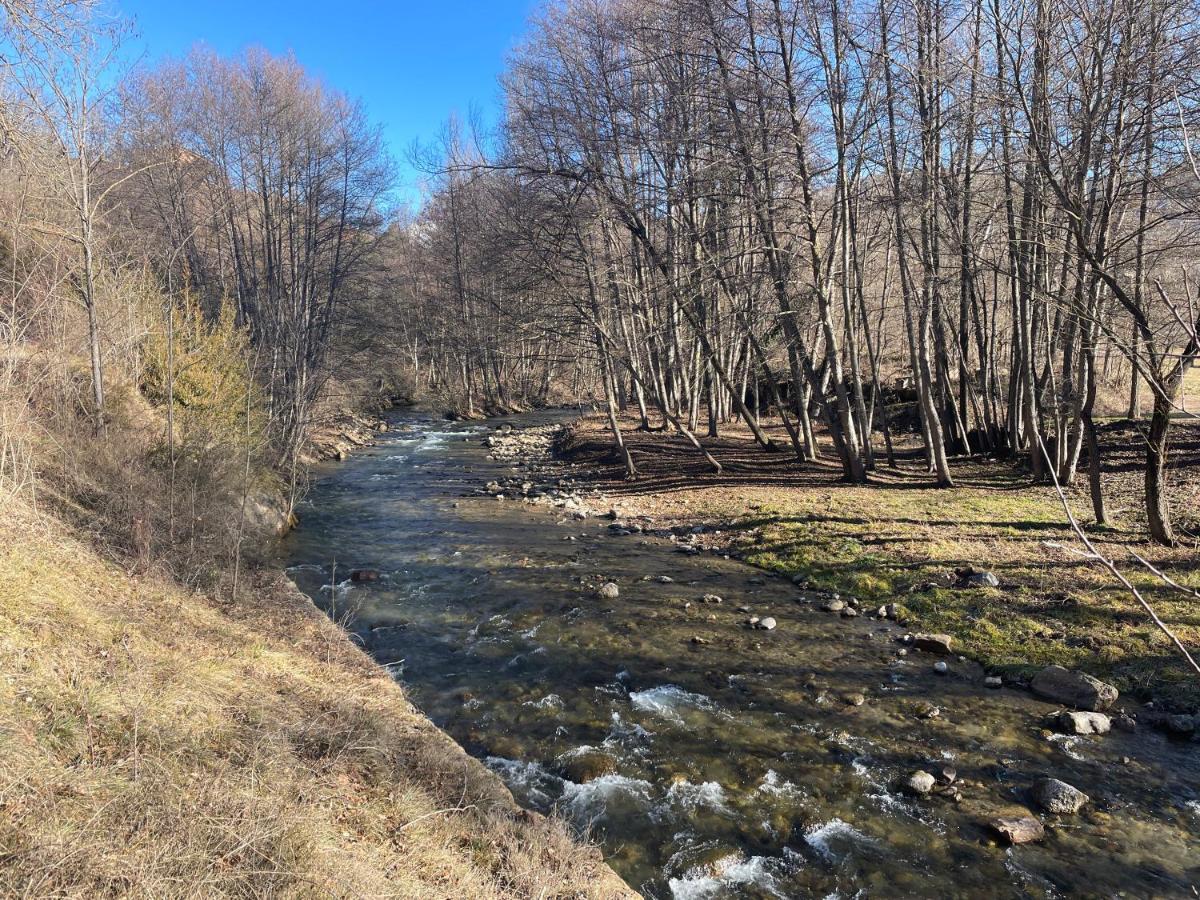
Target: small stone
x,y
881,613
1124,722
940,667
1019,830
710,598
993,681
1058,797
608,591
696,639
920,783
767,624
854,699
983,579
947,774
849,613
833,605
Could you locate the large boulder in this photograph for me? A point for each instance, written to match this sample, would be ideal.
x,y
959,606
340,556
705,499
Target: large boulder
x,y
1083,722
1019,830
1073,688
1058,797
933,643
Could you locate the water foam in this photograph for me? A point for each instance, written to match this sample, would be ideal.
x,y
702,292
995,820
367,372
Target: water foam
x,y
728,874
666,700
824,837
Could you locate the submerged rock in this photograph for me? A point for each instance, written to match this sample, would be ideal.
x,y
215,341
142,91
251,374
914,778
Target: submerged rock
x,y
1019,830
1058,797
1073,688
584,765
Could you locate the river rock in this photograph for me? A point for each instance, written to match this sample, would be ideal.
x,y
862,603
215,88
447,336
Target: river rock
x,y
849,613
1181,724
941,667
833,605
919,783
585,765
608,591
993,681
1083,722
1058,797
1073,688
933,643
1019,830
767,624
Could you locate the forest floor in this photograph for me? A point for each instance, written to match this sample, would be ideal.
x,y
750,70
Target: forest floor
x,y
899,540
157,742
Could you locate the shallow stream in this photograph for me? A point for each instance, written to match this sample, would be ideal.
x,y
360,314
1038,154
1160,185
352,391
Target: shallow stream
x,y
739,767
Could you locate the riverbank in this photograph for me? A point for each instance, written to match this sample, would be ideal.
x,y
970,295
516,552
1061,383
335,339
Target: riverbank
x,y
901,541
155,741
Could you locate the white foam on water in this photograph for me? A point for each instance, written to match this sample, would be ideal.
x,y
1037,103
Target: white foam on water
x,y
824,837
778,787
589,802
728,874
666,700
691,797
550,701
526,778
1067,744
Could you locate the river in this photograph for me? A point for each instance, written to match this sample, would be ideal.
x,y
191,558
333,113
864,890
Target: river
x,y
749,764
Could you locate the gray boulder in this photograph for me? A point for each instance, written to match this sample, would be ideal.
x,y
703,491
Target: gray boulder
x,y
933,643
1073,688
1019,830
919,783
1083,722
1058,797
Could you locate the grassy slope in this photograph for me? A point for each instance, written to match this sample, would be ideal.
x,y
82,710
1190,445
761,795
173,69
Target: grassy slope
x,y
899,541
154,742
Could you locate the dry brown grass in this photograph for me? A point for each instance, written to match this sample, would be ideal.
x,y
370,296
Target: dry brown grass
x,y
155,743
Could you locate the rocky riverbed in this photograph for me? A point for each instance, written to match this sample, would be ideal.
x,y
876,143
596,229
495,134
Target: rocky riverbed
x,y
723,731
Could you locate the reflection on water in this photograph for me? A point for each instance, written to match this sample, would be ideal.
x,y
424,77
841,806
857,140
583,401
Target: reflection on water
x,y
740,767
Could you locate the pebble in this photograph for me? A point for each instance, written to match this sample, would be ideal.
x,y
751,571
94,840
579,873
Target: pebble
x,y
767,624
993,681
849,612
940,667
609,591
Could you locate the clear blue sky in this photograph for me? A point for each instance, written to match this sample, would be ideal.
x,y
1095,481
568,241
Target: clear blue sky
x,y
411,63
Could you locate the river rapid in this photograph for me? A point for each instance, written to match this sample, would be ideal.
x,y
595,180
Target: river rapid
x,y
709,759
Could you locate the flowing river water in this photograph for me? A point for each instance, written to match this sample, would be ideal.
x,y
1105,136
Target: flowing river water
x,y
759,764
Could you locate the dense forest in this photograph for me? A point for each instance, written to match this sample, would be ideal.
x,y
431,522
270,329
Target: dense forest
x,y
709,209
